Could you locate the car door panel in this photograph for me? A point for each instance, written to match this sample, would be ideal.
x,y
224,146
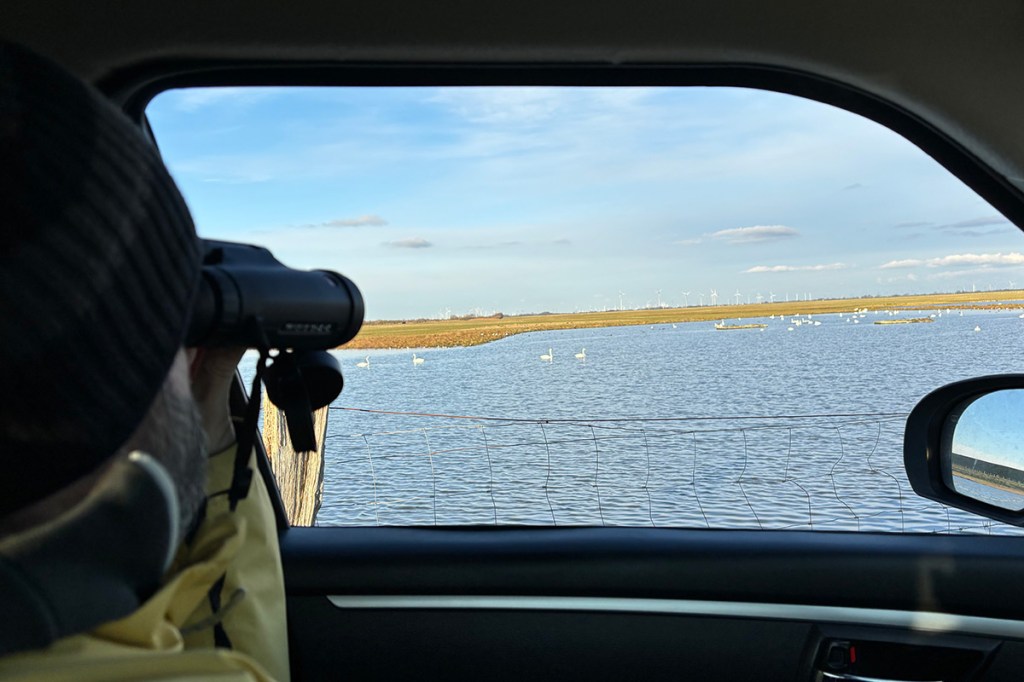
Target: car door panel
x,y
552,603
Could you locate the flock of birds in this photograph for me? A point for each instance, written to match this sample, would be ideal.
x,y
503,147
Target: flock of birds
x,y
550,356
854,317
858,315
365,364
416,361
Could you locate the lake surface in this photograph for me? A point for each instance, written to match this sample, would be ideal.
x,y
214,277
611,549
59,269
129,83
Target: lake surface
x,y
672,425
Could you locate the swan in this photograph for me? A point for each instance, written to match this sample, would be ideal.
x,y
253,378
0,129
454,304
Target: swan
x,y
548,357
365,363
977,329
582,355
416,360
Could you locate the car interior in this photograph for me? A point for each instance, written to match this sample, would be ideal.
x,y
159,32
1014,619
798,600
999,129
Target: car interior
x,y
510,602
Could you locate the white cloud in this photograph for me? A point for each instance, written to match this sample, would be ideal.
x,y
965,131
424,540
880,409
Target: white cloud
x,y
909,277
531,105
410,243
193,99
361,221
958,260
797,268
687,242
905,263
978,259
754,233
490,105
979,222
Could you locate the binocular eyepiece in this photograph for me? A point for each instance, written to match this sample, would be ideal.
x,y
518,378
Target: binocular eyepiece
x,y
248,298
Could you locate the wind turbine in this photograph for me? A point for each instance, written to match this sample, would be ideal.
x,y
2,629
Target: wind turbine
x,y
621,294
771,297
658,294
738,296
759,297
701,294
714,297
686,298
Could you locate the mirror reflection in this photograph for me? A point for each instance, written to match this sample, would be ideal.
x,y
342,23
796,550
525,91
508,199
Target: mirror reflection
x,y
986,461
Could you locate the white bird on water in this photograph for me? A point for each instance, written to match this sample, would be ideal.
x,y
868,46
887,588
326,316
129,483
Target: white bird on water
x,y
548,357
416,360
582,355
365,363
977,329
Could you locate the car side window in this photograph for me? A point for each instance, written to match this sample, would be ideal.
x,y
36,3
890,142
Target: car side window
x,y
642,306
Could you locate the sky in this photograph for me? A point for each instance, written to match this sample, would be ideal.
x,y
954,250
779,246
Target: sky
x,y
990,429
444,201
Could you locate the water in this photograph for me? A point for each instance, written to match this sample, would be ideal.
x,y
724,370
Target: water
x,y
708,464
1007,499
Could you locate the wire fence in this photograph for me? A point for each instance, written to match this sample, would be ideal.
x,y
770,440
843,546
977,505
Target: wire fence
x,y
809,472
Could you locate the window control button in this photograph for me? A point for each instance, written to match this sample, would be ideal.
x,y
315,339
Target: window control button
x,y
838,656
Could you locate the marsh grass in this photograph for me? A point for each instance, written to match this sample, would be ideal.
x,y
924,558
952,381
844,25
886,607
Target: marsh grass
x,y
480,330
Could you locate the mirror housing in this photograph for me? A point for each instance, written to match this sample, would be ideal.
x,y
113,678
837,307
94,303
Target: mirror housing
x,y
929,438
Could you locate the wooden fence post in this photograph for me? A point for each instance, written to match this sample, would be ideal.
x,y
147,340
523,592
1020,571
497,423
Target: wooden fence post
x,y
300,475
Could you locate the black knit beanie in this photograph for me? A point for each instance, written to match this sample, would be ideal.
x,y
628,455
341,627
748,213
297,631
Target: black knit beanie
x,y
99,263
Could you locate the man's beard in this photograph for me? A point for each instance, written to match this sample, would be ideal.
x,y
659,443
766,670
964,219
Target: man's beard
x,y
172,433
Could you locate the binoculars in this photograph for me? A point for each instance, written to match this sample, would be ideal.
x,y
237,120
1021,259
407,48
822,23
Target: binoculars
x,y
248,298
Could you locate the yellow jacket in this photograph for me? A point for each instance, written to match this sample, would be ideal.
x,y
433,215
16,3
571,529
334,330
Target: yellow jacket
x,y
171,636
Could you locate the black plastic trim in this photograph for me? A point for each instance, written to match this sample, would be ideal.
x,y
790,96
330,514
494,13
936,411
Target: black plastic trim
x,y
923,437
952,574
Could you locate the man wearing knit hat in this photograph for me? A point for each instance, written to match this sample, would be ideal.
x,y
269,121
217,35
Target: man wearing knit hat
x,y
109,430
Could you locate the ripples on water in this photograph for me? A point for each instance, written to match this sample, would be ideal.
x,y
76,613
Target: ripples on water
x,y
715,468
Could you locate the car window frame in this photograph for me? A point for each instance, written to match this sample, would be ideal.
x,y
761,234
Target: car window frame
x,y
133,89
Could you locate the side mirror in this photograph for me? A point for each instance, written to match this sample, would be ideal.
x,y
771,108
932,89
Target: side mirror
x,y
964,447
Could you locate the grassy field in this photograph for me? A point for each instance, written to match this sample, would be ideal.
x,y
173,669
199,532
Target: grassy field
x,y
990,480
479,330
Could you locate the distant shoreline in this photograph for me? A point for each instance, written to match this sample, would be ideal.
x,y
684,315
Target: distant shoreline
x,y
479,330
991,481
